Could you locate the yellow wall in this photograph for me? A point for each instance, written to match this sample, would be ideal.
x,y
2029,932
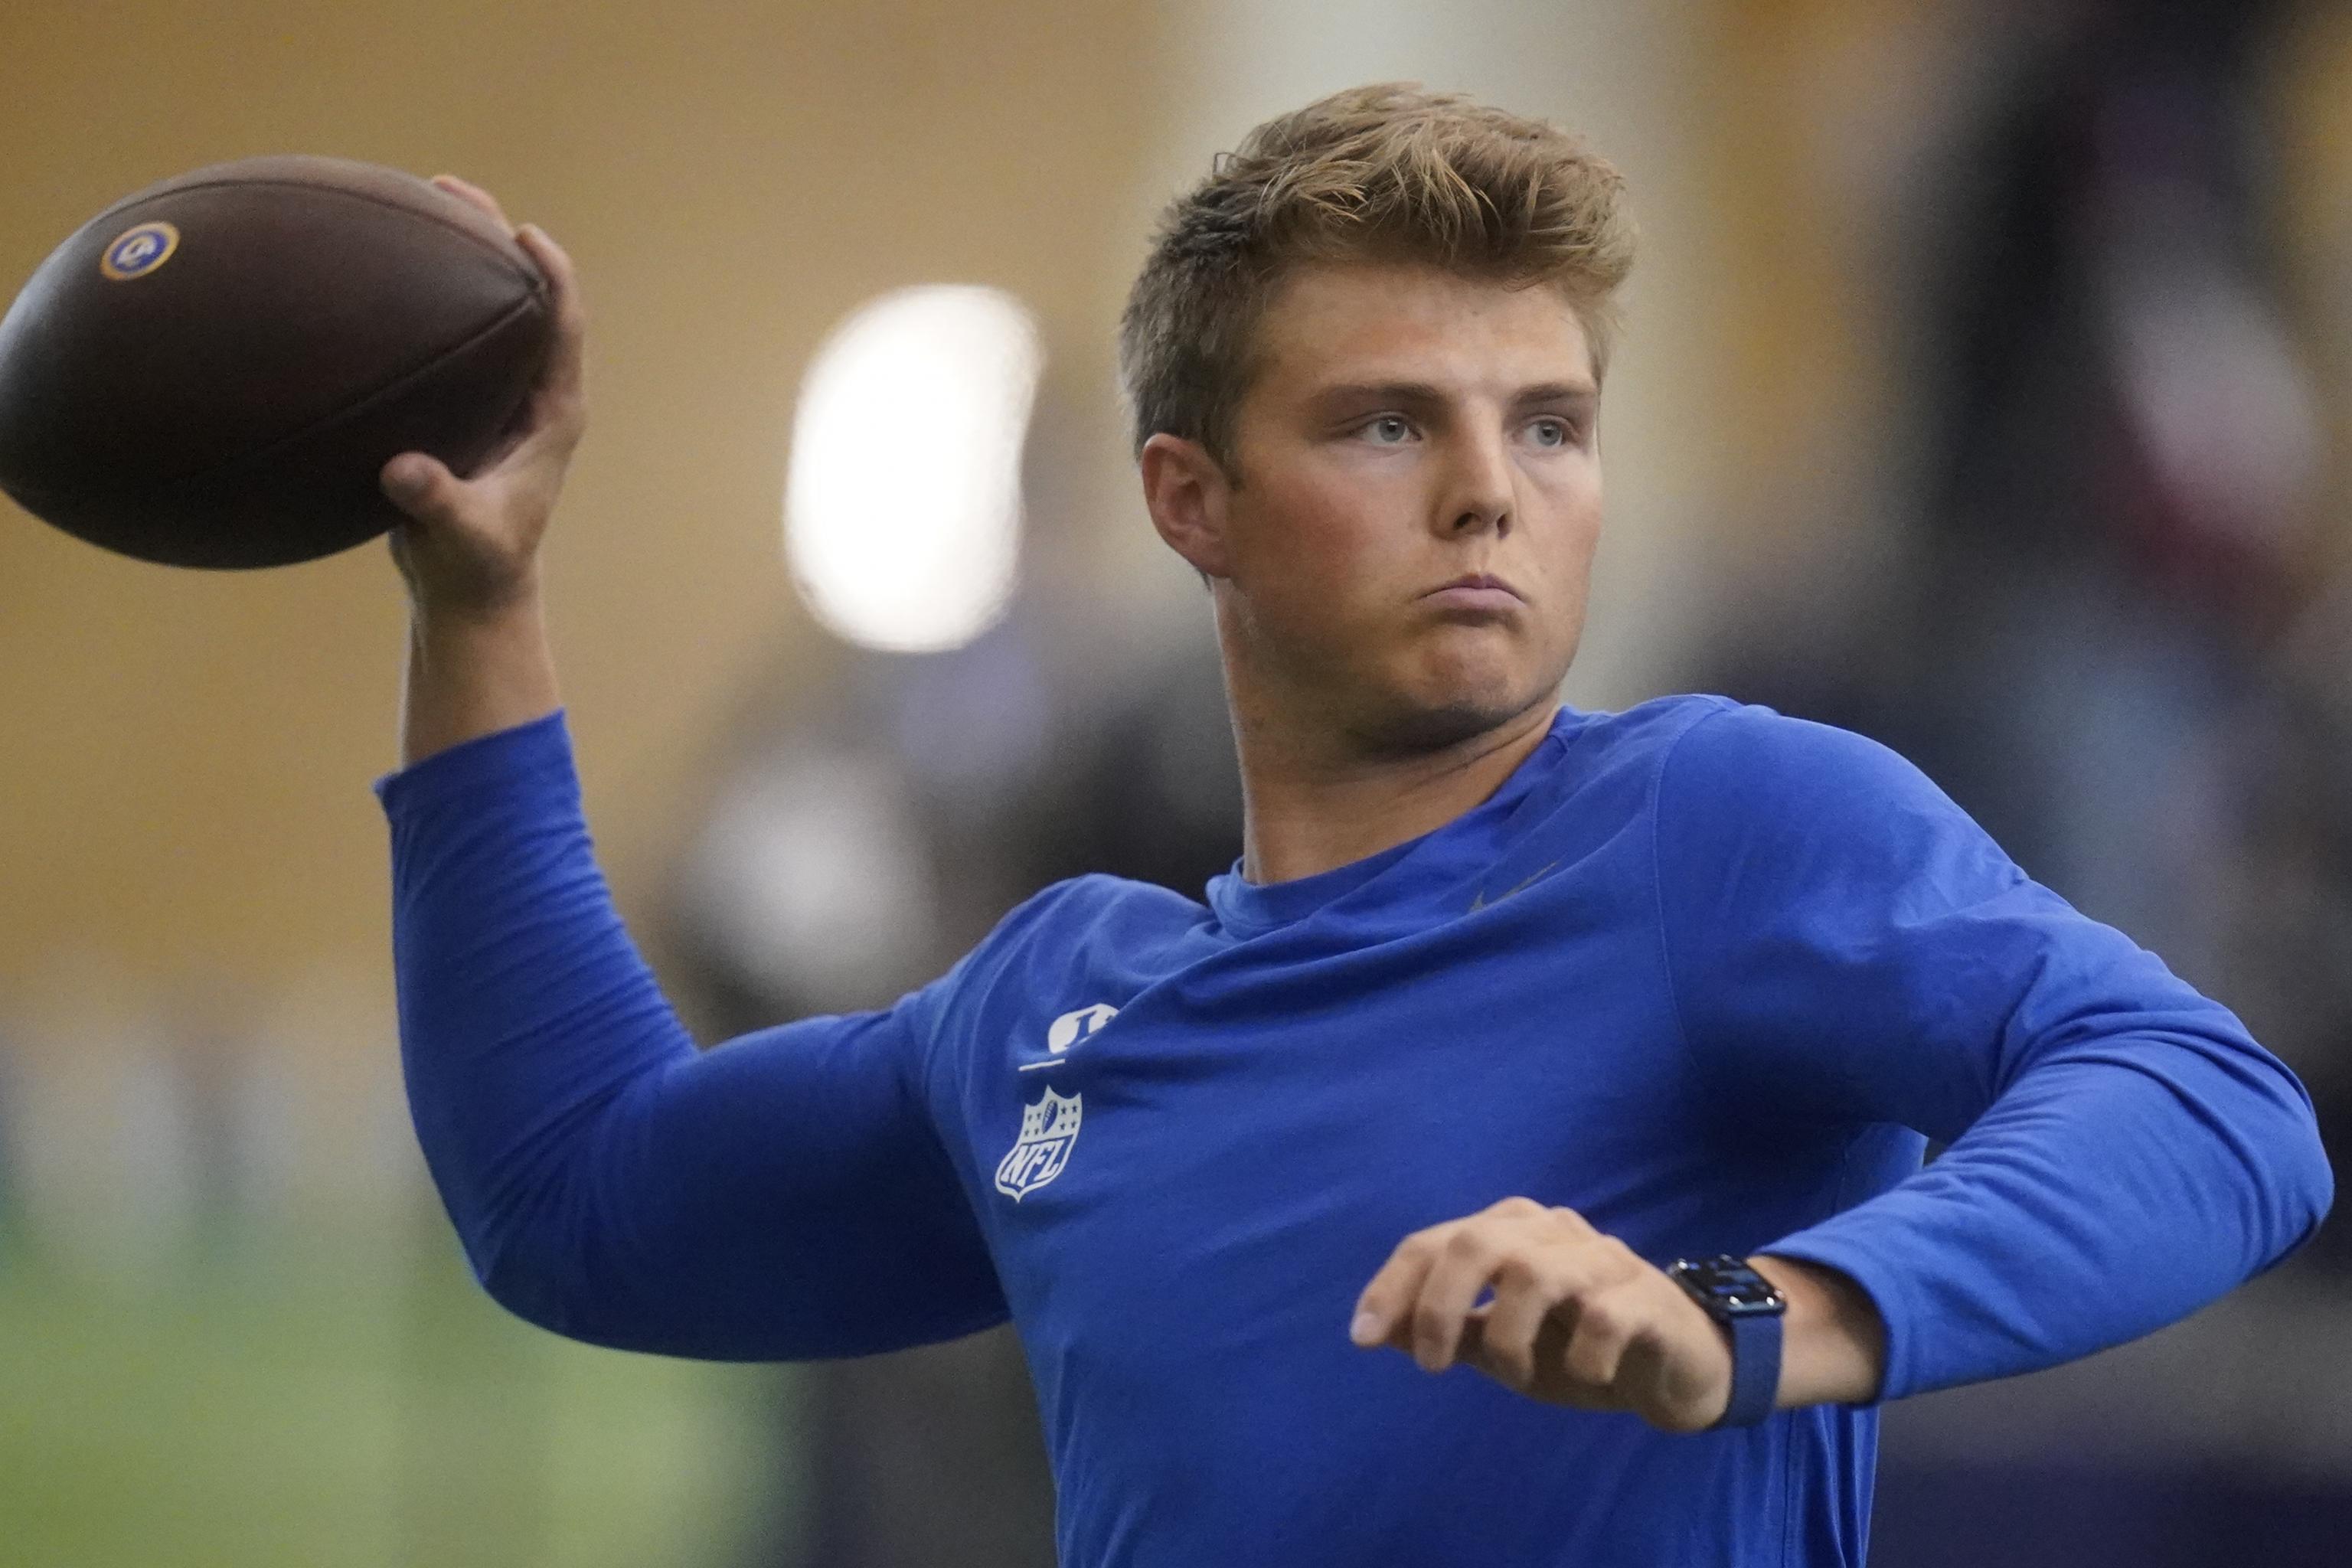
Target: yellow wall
x,y
183,757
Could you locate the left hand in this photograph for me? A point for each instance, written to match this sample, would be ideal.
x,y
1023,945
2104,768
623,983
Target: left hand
x,y
1576,1318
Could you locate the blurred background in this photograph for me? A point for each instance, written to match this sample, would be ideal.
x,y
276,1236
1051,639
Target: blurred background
x,y
1985,390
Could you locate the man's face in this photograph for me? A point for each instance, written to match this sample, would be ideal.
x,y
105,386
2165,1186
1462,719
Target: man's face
x,y
1410,540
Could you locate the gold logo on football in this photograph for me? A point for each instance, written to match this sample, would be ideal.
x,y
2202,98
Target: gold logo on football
x,y
138,251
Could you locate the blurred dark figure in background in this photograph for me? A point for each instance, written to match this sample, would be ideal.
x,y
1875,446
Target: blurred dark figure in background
x,y
2115,644
2114,638
2125,463
855,856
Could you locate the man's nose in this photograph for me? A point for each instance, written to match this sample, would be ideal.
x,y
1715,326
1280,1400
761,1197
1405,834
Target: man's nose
x,y
1480,493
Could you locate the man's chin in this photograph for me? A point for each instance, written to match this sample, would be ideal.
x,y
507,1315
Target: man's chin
x,y
1416,728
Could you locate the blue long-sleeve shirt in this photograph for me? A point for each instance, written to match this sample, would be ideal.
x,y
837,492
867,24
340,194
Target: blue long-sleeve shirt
x,y
1709,975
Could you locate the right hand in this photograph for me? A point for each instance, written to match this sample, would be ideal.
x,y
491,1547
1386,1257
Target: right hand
x,y
470,548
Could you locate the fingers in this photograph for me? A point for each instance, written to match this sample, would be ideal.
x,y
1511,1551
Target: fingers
x,y
1420,1299
473,194
1385,1308
566,359
560,389
1607,1321
1528,1299
1387,1301
421,485
557,414
1576,1318
480,537
1465,1260
1571,1222
1561,1322
562,280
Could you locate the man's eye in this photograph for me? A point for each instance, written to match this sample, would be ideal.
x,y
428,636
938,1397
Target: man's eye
x,y
1389,429
1553,432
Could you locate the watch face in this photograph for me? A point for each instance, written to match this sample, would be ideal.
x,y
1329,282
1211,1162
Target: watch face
x,y
1728,1285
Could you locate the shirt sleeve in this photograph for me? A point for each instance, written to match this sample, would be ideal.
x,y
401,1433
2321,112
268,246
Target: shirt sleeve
x,y
784,1196
1846,945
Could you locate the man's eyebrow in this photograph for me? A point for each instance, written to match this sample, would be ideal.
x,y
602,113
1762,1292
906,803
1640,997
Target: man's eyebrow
x,y
1381,392
1556,391
1411,393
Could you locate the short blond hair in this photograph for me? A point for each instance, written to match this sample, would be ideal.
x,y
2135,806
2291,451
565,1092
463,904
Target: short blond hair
x,y
1383,173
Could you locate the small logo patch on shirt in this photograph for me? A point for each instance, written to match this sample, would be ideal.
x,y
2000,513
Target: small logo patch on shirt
x,y
1069,1029
1048,1129
1481,902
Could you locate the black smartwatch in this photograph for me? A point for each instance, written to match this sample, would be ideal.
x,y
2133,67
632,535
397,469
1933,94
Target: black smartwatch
x,y
1750,1310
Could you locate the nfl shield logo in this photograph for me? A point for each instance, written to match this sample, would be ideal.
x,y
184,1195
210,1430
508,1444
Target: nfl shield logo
x,y
1047,1130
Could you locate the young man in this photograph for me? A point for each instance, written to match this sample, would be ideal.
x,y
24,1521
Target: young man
x,y
1515,1030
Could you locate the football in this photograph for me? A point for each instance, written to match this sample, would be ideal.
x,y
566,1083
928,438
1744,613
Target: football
x,y
213,372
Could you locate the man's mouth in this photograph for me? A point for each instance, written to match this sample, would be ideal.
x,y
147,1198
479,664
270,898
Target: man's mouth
x,y
1477,592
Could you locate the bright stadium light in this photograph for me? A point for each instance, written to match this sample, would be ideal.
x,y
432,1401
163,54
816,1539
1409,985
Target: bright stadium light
x,y
902,510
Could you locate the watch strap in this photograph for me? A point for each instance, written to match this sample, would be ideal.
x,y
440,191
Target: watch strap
x,y
1755,1368
1748,1308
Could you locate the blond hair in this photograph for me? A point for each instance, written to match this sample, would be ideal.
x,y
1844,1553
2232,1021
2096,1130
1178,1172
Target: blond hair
x,y
1384,173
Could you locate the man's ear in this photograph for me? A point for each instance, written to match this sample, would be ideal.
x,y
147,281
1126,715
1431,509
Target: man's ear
x,y
1188,494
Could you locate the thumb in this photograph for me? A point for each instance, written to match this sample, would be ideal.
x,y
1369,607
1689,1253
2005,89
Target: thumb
x,y
421,485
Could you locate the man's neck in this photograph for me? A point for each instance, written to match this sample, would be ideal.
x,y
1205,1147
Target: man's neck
x,y
1313,804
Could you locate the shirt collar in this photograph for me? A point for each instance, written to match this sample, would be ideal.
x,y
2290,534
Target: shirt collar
x,y
1250,909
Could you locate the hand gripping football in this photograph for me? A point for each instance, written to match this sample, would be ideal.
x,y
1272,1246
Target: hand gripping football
x,y
213,372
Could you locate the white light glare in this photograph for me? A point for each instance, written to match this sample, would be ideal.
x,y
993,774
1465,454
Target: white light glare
x,y
902,511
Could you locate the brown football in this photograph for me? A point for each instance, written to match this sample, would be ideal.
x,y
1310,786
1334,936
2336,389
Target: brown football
x,y
213,372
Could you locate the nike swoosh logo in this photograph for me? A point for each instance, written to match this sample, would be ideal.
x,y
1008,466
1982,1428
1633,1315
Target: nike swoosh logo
x,y
1480,901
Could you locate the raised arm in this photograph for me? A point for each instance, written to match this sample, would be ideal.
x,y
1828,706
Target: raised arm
x,y
781,1196
1848,946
